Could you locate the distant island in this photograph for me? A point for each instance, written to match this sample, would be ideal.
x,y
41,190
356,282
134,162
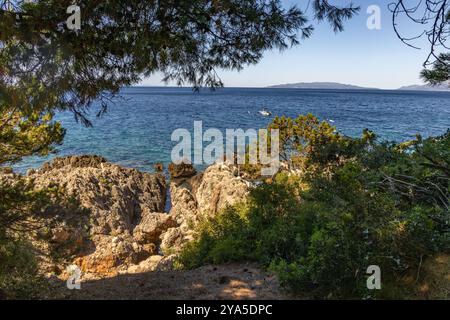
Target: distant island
x,y
341,86
425,87
321,85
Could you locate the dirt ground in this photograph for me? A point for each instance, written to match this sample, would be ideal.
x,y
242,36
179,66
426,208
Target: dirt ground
x,y
231,282
236,281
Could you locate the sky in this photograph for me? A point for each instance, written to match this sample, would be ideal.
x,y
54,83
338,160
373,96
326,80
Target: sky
x,y
357,56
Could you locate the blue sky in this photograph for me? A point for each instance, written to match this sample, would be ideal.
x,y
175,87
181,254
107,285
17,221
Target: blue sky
x,y
359,56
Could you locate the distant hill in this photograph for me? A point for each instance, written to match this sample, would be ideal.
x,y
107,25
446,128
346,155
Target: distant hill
x,y
341,86
418,87
320,85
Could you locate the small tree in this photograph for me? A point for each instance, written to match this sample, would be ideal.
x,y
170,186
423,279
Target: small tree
x,y
306,140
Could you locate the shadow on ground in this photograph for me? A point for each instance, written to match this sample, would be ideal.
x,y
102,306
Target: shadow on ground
x,y
237,281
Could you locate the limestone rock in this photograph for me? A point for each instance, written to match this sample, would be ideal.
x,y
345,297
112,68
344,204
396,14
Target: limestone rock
x,y
127,227
6,170
109,253
63,235
147,265
219,188
85,161
173,239
60,235
203,194
152,226
118,200
159,167
183,170
184,204
116,196
167,263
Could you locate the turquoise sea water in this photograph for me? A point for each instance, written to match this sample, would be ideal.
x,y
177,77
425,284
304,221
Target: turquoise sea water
x,y
136,131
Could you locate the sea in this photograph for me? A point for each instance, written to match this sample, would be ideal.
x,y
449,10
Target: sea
x,y
136,131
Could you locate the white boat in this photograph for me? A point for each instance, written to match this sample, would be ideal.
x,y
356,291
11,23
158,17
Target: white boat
x,y
265,113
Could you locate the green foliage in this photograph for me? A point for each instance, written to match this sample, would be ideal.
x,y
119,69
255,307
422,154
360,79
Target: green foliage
x,y
44,67
382,204
308,143
24,134
187,41
251,231
440,73
27,214
19,277
335,15
24,205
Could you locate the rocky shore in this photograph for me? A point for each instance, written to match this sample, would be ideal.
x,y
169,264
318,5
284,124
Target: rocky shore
x,y
113,224
126,230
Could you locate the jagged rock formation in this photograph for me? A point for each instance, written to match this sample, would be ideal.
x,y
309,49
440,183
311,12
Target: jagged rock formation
x,y
183,170
128,230
201,196
119,201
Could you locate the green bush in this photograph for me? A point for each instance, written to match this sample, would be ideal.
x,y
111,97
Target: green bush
x,y
26,216
19,277
256,231
372,203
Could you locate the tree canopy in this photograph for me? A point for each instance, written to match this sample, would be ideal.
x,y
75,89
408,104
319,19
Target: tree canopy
x,y
434,17
440,73
121,42
46,66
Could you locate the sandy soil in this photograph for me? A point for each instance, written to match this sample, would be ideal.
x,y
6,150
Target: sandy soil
x,y
237,281
234,281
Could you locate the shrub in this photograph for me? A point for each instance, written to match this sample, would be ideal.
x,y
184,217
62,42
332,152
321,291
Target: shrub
x,y
370,203
19,277
26,216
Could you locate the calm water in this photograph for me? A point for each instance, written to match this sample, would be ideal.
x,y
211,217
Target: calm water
x,y
137,129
